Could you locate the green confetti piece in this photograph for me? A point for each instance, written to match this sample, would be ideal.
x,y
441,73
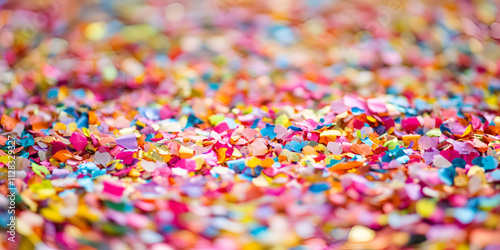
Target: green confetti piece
x,y
138,32
282,120
122,207
109,73
391,144
216,119
114,229
38,169
435,132
359,134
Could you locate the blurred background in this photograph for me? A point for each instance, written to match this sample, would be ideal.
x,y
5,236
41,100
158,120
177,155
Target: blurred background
x,y
211,56
249,51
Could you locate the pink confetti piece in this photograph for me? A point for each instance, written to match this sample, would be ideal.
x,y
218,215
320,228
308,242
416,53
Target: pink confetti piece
x,y
78,141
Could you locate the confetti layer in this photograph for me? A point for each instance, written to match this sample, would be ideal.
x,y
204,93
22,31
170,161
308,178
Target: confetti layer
x,y
250,125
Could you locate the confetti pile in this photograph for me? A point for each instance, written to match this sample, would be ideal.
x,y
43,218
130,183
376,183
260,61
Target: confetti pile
x,y
250,124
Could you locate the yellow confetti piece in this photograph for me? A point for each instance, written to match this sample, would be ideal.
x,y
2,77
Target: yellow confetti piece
x,y
86,132
119,166
426,207
329,135
283,120
5,159
463,246
253,162
95,31
492,101
187,152
222,154
475,170
134,173
60,126
31,204
361,234
492,221
199,162
236,153
72,127
252,246
383,219
391,129
260,181
306,159
407,139
371,119
52,215
85,212
467,130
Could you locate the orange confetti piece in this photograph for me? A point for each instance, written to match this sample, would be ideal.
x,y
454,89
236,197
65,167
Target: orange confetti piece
x,y
8,122
361,149
62,155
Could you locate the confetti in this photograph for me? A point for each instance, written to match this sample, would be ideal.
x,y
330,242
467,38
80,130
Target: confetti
x,y
250,125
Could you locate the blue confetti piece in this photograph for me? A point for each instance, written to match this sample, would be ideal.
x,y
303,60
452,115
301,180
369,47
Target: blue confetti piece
x,y
332,163
168,228
357,111
281,62
90,168
422,105
187,111
357,158
294,128
236,165
283,35
52,93
255,123
79,93
150,113
27,139
230,123
443,129
245,177
478,161
319,187
248,171
403,159
488,203
464,215
367,141
473,203
268,131
386,158
86,183
296,146
459,162
149,137
447,175
489,162
400,101
496,175
258,231
192,120
210,231
411,112
83,121
71,111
